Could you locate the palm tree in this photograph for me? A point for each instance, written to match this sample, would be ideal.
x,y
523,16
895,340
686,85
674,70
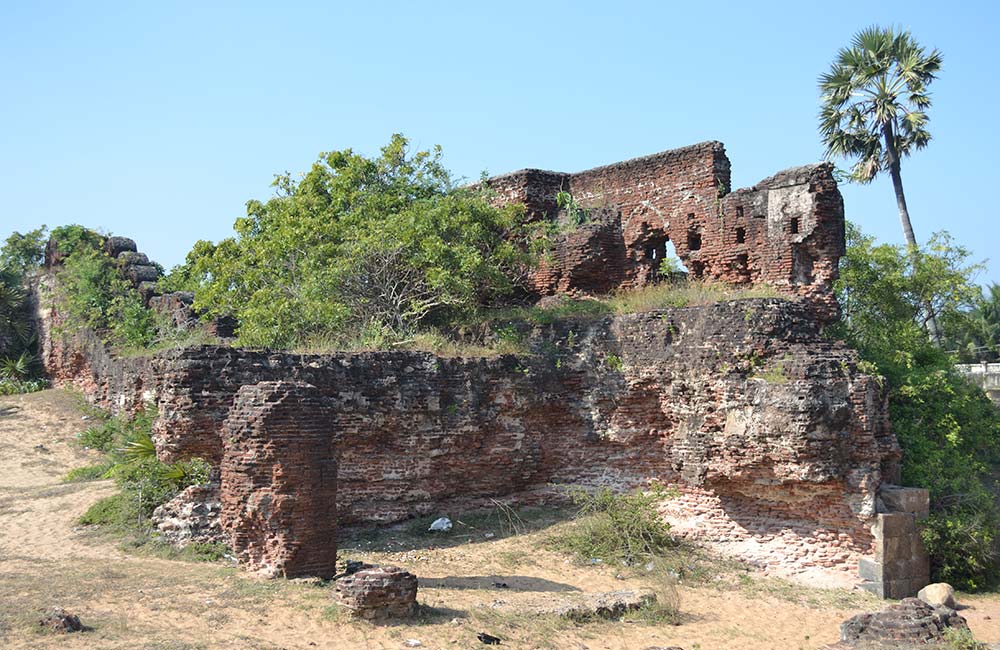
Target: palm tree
x,y
874,108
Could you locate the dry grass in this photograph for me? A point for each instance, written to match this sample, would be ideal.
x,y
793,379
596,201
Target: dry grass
x,y
691,293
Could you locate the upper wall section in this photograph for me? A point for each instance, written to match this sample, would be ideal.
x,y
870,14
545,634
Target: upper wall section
x,y
787,231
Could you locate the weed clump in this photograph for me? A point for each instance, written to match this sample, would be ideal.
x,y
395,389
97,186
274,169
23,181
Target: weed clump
x,y
130,459
617,528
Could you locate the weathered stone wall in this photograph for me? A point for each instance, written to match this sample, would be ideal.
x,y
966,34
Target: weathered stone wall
x,y
777,442
787,231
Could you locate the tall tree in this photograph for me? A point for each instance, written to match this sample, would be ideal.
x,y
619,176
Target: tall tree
x,y
874,109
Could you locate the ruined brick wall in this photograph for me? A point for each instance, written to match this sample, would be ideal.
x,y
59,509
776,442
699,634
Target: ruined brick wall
x,y
279,481
77,358
776,440
787,231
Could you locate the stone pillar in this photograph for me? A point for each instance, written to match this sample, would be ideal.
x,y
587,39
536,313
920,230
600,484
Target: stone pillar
x,y
901,566
279,480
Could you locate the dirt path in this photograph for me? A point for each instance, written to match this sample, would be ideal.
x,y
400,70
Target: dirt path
x,y
134,601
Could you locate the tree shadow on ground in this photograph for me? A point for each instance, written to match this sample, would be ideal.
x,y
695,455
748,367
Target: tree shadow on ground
x,y
496,583
468,528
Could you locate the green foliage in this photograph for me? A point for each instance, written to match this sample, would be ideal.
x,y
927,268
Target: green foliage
x,y
948,428
19,366
975,334
577,214
88,473
378,245
21,386
145,482
964,543
21,254
962,639
117,511
73,237
875,98
93,293
614,362
617,528
101,437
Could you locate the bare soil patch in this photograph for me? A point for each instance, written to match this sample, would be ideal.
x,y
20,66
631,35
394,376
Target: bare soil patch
x,y
134,601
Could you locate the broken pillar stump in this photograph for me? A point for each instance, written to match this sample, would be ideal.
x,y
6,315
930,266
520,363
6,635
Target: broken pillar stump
x,y
279,481
378,593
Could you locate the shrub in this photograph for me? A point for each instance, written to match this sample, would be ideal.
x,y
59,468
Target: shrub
x,y
948,429
145,482
100,436
21,386
963,547
617,528
117,511
87,473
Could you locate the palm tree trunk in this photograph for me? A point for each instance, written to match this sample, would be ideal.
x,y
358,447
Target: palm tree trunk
x,y
904,219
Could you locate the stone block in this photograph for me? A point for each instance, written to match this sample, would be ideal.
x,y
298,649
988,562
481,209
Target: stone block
x,y
870,569
895,524
906,499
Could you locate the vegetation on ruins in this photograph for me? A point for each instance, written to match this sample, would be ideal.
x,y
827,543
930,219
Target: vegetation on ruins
x,y
92,293
360,248
617,528
874,109
19,368
145,483
948,429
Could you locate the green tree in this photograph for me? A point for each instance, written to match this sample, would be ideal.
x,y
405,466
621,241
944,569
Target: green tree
x,y
975,334
874,109
358,244
948,428
22,253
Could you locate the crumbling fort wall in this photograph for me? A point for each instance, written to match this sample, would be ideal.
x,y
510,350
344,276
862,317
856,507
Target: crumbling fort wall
x,y
787,231
776,441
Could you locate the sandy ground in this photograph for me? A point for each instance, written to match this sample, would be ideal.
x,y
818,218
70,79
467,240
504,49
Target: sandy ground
x,y
134,601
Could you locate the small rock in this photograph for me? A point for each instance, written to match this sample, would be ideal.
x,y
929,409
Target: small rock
x,y
59,620
488,639
412,643
440,525
500,585
909,621
939,594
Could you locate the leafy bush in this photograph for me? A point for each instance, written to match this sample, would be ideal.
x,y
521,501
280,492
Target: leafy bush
x,y
21,254
381,246
92,293
21,386
145,482
948,429
19,368
963,546
617,528
117,511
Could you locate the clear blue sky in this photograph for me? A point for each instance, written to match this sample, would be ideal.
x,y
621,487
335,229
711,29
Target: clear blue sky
x,y
159,120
